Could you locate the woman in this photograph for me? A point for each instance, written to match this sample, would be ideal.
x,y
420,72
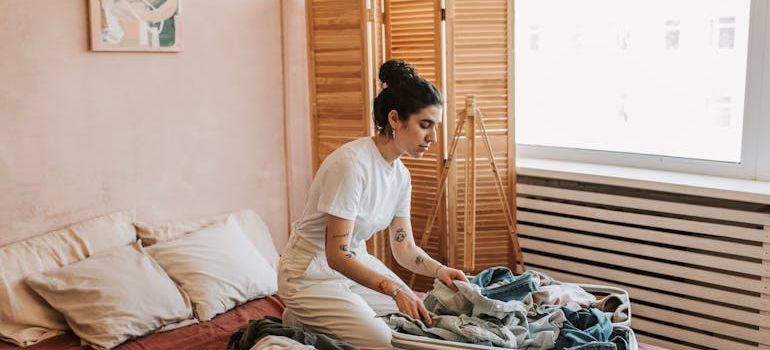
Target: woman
x,y
328,281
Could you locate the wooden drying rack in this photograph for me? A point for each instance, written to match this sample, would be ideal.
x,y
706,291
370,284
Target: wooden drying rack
x,y
474,118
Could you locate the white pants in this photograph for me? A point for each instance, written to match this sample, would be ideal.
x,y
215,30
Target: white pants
x,y
327,302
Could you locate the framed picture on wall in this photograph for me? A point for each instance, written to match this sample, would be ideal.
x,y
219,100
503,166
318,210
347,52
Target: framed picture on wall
x,y
136,25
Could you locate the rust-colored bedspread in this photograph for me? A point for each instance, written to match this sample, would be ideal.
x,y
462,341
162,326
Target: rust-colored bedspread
x,y
211,335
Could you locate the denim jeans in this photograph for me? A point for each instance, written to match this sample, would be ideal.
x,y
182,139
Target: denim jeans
x,y
585,329
461,329
621,338
499,283
405,324
498,307
469,301
478,319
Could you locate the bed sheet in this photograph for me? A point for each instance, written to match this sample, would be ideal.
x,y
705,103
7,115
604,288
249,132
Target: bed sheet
x,y
211,335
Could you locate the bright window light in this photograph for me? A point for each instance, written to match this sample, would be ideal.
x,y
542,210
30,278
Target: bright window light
x,y
655,77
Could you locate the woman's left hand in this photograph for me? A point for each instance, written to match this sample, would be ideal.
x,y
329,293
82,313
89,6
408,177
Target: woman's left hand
x,y
447,275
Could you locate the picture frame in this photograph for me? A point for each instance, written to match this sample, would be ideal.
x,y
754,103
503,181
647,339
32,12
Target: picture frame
x,y
135,25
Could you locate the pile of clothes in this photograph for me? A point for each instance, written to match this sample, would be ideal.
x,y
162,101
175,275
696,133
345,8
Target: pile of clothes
x,y
528,311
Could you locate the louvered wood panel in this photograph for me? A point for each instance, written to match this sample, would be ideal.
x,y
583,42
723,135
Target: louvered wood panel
x,y
412,33
344,50
479,35
340,76
695,267
379,244
343,64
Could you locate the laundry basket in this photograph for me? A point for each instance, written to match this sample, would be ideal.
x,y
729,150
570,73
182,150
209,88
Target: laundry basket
x,y
405,341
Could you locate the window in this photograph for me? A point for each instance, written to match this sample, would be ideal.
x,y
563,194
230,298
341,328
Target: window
x,y
726,32
664,84
672,34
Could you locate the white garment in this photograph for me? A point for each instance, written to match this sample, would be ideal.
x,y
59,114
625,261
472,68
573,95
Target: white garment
x,y
355,183
566,294
325,301
277,342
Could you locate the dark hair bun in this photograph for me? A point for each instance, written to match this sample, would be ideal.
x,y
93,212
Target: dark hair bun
x,y
396,72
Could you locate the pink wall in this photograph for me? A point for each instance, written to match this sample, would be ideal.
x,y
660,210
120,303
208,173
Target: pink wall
x,y
174,135
298,135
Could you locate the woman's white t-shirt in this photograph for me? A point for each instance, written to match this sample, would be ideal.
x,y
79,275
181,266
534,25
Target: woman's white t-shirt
x,y
355,183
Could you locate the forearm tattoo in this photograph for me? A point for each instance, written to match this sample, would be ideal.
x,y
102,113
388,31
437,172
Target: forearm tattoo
x,y
349,253
422,262
400,235
381,285
340,235
419,260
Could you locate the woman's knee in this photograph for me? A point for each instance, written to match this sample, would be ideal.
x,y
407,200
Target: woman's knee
x,y
332,309
374,336
361,329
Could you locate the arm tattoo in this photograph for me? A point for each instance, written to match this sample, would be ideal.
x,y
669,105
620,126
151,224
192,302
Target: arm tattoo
x,y
341,235
400,235
419,260
381,285
349,253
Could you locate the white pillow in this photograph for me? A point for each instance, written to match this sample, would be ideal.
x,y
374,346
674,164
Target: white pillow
x,y
217,266
25,318
251,223
113,297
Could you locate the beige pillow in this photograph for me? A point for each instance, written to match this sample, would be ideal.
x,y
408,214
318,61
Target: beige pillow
x,y
25,318
252,225
217,266
114,296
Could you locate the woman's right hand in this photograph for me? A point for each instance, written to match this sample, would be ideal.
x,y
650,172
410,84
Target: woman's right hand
x,y
447,275
410,304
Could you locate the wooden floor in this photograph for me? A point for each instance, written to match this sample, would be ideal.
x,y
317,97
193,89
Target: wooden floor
x,y
649,347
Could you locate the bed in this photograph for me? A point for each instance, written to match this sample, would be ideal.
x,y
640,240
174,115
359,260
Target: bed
x,y
186,284
211,335
115,282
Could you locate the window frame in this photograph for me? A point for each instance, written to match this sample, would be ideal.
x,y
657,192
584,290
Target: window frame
x,y
756,123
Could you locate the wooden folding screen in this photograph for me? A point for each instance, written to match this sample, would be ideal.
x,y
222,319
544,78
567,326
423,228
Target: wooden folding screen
x,y
339,61
346,48
480,62
344,52
413,33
